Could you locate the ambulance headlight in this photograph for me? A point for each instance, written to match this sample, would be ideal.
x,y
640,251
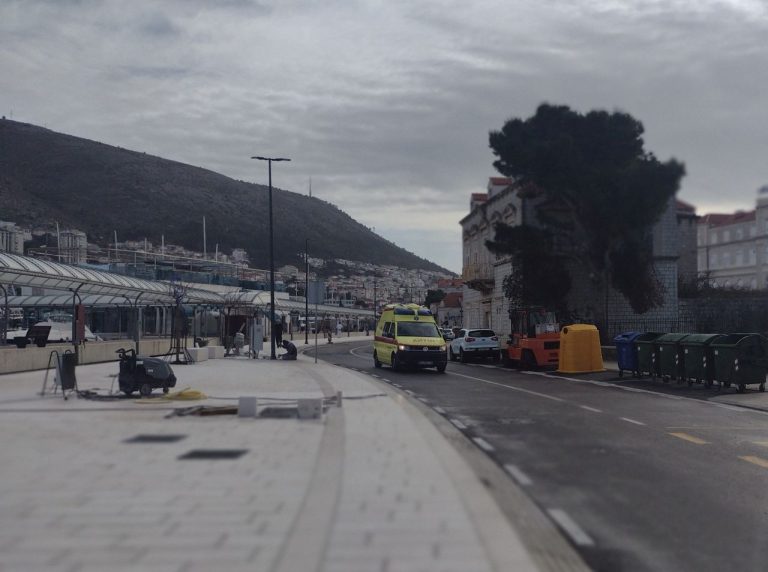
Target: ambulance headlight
x,y
401,347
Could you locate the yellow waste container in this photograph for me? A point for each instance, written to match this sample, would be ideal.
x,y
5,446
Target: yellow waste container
x,y
580,349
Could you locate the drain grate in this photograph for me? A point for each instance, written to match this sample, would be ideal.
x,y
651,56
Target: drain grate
x,y
156,438
213,454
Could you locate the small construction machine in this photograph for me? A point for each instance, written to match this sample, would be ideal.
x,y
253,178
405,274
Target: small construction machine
x,y
535,339
143,374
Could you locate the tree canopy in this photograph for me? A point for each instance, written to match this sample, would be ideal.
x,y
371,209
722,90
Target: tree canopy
x,y
434,297
600,187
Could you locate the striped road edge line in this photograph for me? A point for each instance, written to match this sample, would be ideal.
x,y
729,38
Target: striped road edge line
x,y
759,461
635,422
439,409
592,409
458,424
518,475
689,438
569,526
483,444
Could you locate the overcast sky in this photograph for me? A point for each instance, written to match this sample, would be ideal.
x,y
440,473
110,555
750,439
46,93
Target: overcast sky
x,y
387,104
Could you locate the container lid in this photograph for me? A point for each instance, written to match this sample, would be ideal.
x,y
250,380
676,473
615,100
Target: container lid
x,y
626,337
700,339
648,336
671,338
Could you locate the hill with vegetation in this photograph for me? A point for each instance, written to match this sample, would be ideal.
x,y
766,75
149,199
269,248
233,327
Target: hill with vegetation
x,y
48,177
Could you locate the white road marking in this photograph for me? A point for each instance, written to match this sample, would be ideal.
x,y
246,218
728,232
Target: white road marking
x,y
376,376
422,399
458,424
592,409
483,444
628,420
569,526
518,475
409,392
440,410
544,395
385,379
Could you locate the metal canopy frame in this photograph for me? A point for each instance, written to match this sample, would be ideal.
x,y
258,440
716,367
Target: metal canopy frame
x,y
26,271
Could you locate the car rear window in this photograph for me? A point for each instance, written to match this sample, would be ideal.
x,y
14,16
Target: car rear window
x,y
481,333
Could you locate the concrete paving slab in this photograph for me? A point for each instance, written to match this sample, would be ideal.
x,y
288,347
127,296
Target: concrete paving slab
x,y
367,486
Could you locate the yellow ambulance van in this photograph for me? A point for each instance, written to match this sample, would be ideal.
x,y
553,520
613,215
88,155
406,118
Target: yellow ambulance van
x,y
407,336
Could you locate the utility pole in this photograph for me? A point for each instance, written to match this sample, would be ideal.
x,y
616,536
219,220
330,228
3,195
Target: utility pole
x,y
306,291
271,257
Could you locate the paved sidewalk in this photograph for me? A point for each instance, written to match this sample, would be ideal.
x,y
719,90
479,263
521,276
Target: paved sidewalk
x,y
371,487
751,398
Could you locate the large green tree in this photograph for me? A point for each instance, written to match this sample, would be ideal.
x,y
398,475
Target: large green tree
x,y
600,190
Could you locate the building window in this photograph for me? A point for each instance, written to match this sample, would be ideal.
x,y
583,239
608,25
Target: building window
x,y
726,235
752,230
753,256
726,259
739,259
713,259
713,237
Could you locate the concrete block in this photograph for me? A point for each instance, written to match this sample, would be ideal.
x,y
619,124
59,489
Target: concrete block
x,y
246,407
215,352
310,408
198,354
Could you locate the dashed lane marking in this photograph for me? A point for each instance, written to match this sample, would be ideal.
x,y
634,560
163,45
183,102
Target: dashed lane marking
x,y
690,438
759,461
483,444
569,526
628,420
519,476
520,389
592,409
458,424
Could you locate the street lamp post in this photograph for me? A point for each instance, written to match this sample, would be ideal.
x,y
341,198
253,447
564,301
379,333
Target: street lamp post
x,y
306,291
271,258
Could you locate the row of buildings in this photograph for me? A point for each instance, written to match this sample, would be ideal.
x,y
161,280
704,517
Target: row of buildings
x,y
346,284
722,250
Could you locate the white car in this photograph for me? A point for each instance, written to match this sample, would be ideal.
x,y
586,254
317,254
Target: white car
x,y
475,343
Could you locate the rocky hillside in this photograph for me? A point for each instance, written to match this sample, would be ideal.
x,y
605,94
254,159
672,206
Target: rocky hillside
x,y
47,176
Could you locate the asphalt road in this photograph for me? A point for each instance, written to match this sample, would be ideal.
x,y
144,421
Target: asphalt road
x,y
636,479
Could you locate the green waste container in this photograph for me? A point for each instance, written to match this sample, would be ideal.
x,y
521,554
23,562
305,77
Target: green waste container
x,y
698,358
647,354
671,356
740,359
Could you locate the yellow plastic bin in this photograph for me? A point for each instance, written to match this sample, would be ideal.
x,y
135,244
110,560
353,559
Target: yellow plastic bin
x,y
580,349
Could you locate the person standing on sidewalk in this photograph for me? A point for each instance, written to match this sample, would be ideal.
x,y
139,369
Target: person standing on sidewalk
x,y
278,325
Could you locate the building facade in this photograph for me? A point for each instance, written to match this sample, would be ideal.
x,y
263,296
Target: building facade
x,y
486,306
733,248
11,238
484,303
73,246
